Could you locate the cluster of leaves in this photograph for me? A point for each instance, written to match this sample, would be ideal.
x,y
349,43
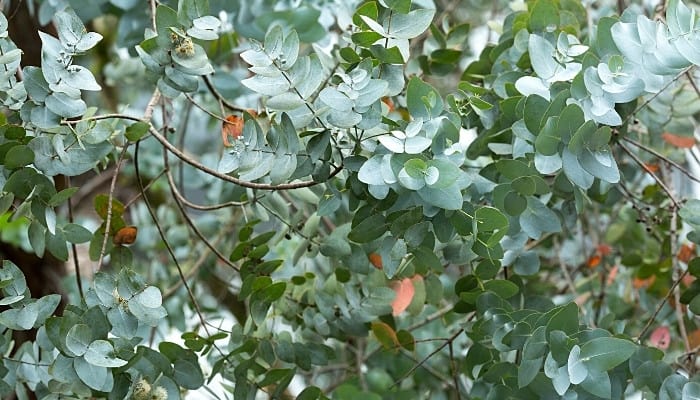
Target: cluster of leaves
x,y
393,224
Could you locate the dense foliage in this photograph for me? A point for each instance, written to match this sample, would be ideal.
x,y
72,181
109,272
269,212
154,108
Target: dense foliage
x,y
320,199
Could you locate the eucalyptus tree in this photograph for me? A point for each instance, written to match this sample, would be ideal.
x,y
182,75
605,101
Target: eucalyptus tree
x,y
340,200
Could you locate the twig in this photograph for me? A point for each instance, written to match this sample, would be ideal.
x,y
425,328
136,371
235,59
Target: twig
x,y
658,180
358,364
105,116
211,114
432,317
663,89
660,306
455,373
692,82
147,114
184,200
564,269
74,249
679,310
110,198
193,270
421,362
662,157
220,97
187,218
163,237
675,270
148,186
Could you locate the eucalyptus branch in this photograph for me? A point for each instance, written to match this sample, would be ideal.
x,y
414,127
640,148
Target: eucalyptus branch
x,y
676,270
692,82
200,207
252,185
105,116
306,103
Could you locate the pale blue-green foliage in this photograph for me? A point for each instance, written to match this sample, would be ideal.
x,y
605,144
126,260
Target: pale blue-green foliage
x,y
289,79
354,101
552,63
649,55
671,110
255,155
172,60
10,57
55,89
83,349
397,28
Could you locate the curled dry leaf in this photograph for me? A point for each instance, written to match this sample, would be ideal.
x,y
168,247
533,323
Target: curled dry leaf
x,y
125,235
686,252
683,142
593,261
660,338
639,283
231,128
404,294
376,260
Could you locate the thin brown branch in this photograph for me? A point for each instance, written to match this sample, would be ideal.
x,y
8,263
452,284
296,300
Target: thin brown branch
x,y
658,180
663,89
252,185
670,293
188,220
148,186
163,237
455,371
211,114
110,198
220,97
692,82
198,264
662,157
74,249
426,358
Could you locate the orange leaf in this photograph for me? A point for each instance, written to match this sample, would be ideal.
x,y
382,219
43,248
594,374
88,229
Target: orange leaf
x,y
686,252
404,294
611,275
232,127
593,261
376,260
603,249
389,103
651,167
385,335
683,142
660,338
125,235
639,283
